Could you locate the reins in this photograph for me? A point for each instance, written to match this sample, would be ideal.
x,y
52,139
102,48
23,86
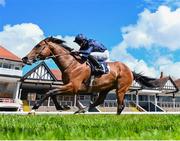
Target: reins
x,y
54,56
58,55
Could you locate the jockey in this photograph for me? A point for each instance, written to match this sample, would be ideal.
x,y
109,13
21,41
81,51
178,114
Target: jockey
x,y
92,50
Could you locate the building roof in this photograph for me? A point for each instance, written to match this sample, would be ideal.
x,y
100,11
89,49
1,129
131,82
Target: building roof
x,y
165,84
5,54
44,73
40,72
168,84
177,82
162,81
57,73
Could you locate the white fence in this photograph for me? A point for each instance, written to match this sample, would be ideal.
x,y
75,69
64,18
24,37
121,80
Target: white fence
x,y
92,113
169,104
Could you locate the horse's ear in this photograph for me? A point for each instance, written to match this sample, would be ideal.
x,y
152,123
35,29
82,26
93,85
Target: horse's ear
x,y
51,37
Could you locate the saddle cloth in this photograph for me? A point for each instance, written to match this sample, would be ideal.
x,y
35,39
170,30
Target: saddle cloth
x,y
104,65
94,74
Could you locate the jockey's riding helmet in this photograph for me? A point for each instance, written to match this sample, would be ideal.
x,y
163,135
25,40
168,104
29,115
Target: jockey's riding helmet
x,y
80,38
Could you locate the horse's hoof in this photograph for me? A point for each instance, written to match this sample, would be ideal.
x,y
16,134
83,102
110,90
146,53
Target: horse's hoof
x,y
64,108
79,112
32,112
83,110
76,112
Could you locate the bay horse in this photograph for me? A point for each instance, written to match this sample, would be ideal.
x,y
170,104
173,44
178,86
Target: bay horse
x,y
76,74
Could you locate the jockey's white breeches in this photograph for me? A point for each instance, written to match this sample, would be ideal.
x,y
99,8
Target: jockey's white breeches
x,y
104,56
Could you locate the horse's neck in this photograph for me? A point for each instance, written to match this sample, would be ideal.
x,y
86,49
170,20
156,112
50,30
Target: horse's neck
x,y
63,58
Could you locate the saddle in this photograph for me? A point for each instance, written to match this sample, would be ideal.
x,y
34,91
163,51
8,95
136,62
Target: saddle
x,y
95,72
90,60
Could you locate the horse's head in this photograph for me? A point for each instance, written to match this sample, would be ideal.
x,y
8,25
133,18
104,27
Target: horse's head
x,y
40,52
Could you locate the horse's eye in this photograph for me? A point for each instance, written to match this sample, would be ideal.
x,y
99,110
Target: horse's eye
x,y
37,46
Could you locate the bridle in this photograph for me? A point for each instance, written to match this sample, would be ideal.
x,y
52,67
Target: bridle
x,y
54,56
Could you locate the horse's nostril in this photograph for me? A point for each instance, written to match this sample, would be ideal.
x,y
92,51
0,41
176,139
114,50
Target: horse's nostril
x,y
34,60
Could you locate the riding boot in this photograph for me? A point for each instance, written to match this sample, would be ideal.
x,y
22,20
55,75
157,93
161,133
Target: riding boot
x,y
98,68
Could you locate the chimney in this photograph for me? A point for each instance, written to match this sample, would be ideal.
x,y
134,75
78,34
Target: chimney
x,y
161,76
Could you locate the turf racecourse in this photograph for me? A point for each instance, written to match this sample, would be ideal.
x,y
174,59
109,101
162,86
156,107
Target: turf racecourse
x,y
90,127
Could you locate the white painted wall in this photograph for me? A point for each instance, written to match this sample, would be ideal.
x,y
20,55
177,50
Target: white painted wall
x,y
10,72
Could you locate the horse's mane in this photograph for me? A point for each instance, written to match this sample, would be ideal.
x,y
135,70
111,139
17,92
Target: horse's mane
x,y
59,41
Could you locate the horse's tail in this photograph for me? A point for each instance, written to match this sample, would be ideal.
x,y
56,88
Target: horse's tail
x,y
145,81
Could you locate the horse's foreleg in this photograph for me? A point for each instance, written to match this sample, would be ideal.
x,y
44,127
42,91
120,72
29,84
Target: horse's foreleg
x,y
38,104
58,90
68,89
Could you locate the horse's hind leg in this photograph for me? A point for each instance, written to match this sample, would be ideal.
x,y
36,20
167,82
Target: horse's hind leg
x,y
57,105
99,100
120,98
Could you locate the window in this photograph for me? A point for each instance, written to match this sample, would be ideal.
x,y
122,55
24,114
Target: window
x,y
72,98
11,66
87,97
69,103
106,105
17,68
128,97
143,98
31,96
60,98
5,65
81,97
66,98
0,64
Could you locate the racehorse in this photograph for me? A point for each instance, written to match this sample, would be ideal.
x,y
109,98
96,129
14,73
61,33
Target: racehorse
x,y
76,74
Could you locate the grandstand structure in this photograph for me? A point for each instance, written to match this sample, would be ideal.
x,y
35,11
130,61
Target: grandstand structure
x,y
10,76
19,92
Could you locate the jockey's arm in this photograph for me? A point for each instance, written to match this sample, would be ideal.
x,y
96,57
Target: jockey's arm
x,y
85,53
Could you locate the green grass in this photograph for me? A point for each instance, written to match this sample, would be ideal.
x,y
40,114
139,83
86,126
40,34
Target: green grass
x,y
101,127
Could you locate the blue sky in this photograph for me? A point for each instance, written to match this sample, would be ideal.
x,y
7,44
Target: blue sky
x,y
143,34
99,19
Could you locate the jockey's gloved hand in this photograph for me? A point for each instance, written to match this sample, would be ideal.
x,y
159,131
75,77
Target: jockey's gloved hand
x,y
83,56
75,52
